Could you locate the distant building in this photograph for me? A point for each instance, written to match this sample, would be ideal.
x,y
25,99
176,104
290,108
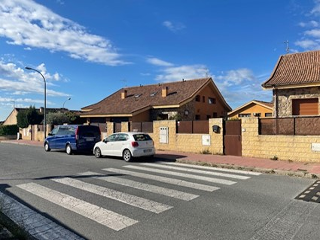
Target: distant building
x,y
253,108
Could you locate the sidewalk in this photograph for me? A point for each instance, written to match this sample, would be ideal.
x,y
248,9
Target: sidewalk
x,y
310,170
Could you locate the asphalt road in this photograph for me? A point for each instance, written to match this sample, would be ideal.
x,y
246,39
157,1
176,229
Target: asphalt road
x,y
110,199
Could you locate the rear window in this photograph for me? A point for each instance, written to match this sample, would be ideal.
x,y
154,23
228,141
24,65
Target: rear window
x,y
89,131
142,137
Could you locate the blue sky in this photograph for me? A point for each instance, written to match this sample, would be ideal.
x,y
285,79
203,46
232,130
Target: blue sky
x,y
89,49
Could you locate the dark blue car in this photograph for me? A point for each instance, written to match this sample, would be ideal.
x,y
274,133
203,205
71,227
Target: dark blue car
x,y
73,138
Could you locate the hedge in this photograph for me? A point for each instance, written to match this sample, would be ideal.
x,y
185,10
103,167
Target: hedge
x,y
8,130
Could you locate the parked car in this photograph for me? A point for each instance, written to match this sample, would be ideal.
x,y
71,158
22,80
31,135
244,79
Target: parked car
x,y
73,138
126,145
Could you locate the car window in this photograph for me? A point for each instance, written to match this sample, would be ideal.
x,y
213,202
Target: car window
x,y
54,131
123,137
141,137
89,131
112,138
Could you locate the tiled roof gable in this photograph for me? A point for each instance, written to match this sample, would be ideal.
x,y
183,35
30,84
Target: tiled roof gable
x,y
295,69
144,97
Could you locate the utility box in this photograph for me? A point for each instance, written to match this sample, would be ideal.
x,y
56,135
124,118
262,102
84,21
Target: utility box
x,y
164,135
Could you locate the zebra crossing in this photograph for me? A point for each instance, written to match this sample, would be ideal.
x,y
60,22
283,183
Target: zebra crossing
x,y
190,178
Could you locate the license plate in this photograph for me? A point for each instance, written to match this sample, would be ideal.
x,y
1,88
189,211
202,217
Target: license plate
x,y
90,139
147,150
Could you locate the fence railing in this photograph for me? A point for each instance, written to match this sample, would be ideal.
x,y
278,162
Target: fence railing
x,y
290,126
193,127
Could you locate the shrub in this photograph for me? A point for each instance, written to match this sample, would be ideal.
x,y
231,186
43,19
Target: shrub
x,y
8,130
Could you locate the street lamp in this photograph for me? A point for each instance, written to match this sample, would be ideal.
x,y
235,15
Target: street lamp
x,y
45,100
65,102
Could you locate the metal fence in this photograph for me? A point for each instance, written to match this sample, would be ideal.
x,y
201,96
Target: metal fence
x,y
193,127
290,126
141,127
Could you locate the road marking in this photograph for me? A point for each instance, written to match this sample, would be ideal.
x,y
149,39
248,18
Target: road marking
x,y
143,186
213,168
196,171
129,199
173,181
208,179
98,214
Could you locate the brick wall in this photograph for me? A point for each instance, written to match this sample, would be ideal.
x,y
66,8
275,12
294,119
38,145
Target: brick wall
x,y
284,147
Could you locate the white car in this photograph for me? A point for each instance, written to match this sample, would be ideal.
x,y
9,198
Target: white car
x,y
126,145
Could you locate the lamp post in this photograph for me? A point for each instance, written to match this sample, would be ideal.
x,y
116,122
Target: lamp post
x,y
45,100
65,102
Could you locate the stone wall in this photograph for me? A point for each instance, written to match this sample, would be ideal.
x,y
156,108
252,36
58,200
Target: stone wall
x,y
285,97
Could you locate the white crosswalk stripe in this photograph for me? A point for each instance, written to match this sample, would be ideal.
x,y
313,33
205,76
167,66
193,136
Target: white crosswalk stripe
x,y
213,168
196,171
129,199
140,171
208,179
173,181
103,216
143,186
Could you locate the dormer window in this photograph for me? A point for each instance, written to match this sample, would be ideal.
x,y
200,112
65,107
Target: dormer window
x,y
153,94
198,98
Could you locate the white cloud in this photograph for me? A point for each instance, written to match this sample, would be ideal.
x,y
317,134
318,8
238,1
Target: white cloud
x,y
18,81
316,9
174,27
29,24
307,44
236,77
311,36
309,24
159,62
171,74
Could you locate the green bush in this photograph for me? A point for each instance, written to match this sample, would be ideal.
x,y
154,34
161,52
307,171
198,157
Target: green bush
x,y
8,130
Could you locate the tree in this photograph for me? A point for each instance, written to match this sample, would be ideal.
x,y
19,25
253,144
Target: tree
x,y
56,118
28,116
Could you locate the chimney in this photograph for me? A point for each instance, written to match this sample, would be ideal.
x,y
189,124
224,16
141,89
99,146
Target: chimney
x,y
165,91
41,110
123,94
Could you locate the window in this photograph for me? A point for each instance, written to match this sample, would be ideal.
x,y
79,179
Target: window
x,y
305,106
203,99
198,98
215,114
197,117
208,116
211,100
268,114
257,114
123,137
244,115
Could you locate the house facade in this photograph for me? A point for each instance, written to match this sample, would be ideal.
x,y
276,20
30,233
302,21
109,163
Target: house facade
x,y
197,99
295,83
253,108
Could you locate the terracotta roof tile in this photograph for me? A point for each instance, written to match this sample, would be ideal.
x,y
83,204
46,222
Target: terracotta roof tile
x,y
295,69
143,97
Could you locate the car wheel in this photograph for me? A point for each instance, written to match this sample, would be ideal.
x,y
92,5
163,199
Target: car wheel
x,y
97,152
68,149
127,155
46,147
